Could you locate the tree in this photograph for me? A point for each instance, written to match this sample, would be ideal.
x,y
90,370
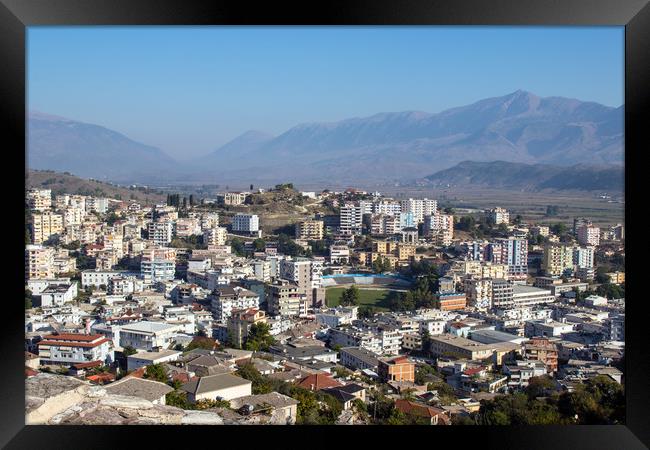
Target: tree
x,y
259,337
350,296
552,210
251,187
28,299
259,244
156,372
128,350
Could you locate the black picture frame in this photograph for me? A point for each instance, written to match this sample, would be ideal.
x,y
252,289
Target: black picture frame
x,y
16,15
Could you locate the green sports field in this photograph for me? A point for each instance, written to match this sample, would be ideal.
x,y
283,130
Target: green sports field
x,y
370,297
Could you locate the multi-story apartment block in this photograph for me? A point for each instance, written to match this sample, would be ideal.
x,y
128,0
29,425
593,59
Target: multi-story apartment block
x,y
154,270
98,278
99,205
215,236
283,299
557,259
541,349
148,336
579,222
339,254
69,349
419,208
451,301
226,299
39,199
124,285
73,216
384,224
440,227
351,219
450,345
187,226
310,230
209,220
246,223
161,233
359,358
583,257
39,262
45,225
479,292
498,216
355,337
240,322
589,235
502,293
305,273
513,252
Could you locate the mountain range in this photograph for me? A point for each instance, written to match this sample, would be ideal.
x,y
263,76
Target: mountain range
x,y
384,148
528,177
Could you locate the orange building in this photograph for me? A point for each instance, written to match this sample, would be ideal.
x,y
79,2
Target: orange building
x,y
452,301
396,369
541,349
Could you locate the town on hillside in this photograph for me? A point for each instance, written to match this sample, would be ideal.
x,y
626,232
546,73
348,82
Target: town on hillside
x,y
276,306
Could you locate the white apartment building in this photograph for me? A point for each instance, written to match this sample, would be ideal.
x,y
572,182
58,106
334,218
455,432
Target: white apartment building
x,y
385,224
97,278
39,199
351,219
339,254
39,262
226,299
187,226
69,349
58,294
262,269
124,285
589,235
246,223
419,208
209,220
161,233
499,215
155,270
149,336
583,257
73,216
96,204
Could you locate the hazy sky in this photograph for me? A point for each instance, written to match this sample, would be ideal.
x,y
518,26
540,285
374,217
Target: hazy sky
x,y
188,90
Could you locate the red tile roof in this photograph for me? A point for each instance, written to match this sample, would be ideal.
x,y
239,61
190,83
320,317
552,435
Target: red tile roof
x,y
74,344
74,336
317,381
88,365
101,378
416,409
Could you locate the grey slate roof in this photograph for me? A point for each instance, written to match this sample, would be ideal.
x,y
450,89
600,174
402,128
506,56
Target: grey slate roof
x,y
213,383
138,387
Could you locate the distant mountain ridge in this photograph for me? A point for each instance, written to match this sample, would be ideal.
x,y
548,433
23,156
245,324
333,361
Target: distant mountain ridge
x,y
518,127
528,177
88,150
381,149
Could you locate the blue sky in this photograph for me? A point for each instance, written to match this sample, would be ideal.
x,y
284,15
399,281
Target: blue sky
x,y
188,90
